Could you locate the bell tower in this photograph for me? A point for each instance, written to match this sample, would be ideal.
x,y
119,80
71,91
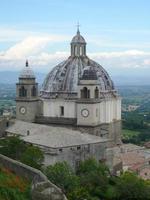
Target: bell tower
x,y
26,95
88,98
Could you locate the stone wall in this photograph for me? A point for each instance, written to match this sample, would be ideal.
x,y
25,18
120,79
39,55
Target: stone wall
x,y
55,120
3,125
42,188
74,154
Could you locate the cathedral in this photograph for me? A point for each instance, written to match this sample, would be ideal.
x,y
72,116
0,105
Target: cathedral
x,y
77,106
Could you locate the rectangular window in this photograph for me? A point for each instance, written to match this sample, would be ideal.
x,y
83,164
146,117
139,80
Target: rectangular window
x,y
61,110
78,147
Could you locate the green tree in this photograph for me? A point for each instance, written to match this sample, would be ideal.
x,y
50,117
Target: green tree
x,y
80,193
63,176
94,176
130,186
12,147
33,157
17,149
92,181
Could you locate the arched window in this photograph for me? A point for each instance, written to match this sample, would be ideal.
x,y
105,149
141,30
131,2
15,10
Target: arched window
x,y
85,93
33,91
96,93
22,92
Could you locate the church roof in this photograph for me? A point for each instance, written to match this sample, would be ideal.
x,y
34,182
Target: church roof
x,y
27,72
65,76
52,136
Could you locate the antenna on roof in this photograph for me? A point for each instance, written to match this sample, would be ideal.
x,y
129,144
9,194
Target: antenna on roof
x,y
78,25
27,63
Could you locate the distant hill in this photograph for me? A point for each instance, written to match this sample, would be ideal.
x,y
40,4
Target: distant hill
x,y
131,80
11,77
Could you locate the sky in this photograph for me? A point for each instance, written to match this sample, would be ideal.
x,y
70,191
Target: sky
x,y
117,33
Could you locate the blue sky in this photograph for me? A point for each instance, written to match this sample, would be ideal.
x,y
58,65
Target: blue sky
x,y
117,32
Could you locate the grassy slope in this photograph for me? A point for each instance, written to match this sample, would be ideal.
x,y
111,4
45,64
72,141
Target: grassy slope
x,y
13,187
128,134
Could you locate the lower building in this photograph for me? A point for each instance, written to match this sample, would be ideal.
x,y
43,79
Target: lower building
x,y
61,144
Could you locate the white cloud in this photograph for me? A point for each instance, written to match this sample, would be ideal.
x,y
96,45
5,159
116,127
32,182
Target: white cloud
x,y
123,59
30,46
33,48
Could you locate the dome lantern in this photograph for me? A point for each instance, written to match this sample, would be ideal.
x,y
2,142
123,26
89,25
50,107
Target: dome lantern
x,y
78,45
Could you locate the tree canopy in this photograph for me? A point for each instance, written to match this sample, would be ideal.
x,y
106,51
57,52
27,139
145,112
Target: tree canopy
x,y
17,149
92,181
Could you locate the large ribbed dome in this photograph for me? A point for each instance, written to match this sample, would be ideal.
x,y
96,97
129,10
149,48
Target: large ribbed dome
x,y
65,76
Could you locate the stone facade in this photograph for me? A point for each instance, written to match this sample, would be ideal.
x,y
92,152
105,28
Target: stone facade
x,y
104,115
111,131
31,110
74,154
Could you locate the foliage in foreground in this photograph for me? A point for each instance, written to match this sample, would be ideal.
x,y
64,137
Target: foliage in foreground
x,y
92,181
15,148
13,187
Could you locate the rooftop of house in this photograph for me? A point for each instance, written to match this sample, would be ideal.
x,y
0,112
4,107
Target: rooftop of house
x,y
128,148
132,158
